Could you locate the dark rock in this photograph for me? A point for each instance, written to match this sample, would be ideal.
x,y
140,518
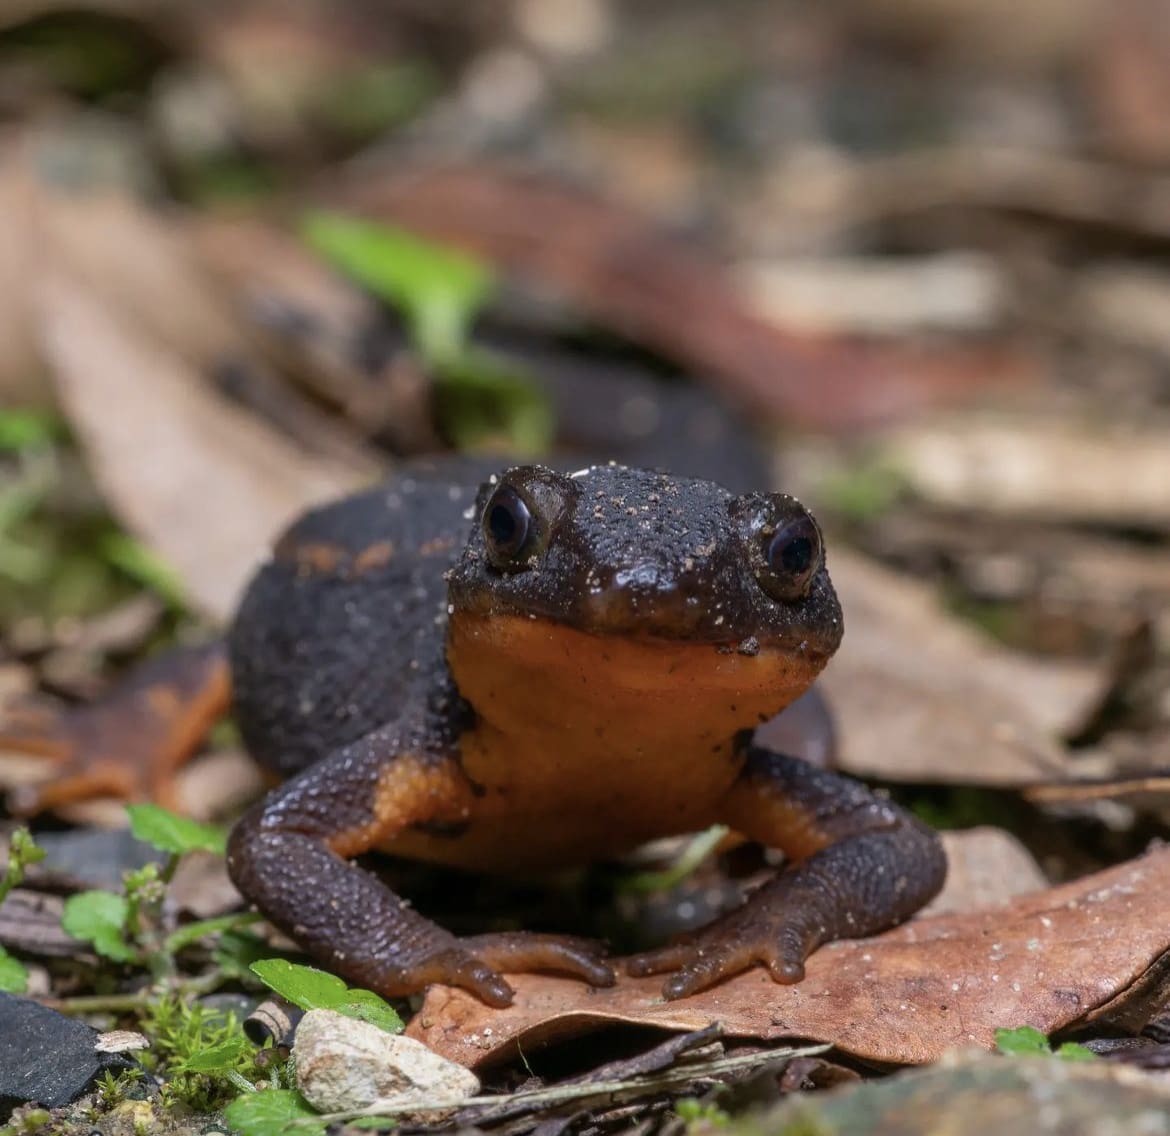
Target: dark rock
x,y
95,857
46,1057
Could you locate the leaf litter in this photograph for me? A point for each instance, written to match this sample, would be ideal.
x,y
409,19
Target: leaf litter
x,y
1049,959
922,698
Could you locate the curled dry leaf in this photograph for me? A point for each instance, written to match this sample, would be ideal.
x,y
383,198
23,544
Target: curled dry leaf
x,y
201,482
1048,959
921,696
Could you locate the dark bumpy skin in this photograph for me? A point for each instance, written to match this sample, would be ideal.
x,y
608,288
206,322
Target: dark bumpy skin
x,y
639,552
588,678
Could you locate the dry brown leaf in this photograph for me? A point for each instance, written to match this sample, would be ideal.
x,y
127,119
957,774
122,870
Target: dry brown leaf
x,y
22,382
136,260
1047,960
956,292
204,484
1127,79
921,696
1040,468
985,866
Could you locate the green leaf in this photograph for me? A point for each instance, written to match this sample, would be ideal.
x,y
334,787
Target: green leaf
x,y
99,918
313,989
1025,1041
215,1058
692,856
13,976
28,429
367,1006
169,832
303,986
143,566
439,290
22,851
1072,1051
270,1113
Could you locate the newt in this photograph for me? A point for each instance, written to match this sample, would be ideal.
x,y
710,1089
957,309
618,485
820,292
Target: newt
x,y
530,671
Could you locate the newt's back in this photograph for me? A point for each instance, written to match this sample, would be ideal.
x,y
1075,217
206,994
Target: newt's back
x,y
343,628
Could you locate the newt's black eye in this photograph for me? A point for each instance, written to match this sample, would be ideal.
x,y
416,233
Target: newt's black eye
x,y
793,556
781,541
507,526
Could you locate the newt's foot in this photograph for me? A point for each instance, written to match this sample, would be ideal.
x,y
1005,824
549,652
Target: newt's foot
x,y
128,744
728,947
475,966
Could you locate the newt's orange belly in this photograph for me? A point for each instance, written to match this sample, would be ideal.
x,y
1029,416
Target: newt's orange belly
x,y
588,745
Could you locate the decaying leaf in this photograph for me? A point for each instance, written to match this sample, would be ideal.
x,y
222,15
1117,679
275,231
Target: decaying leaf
x,y
921,696
1047,959
204,484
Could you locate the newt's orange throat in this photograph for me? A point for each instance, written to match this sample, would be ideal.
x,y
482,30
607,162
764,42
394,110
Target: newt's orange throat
x,y
644,730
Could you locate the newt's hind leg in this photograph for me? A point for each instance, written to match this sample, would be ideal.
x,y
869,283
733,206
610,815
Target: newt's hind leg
x,y
131,742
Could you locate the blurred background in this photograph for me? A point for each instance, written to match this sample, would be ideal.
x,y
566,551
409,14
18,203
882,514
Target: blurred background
x,y
908,258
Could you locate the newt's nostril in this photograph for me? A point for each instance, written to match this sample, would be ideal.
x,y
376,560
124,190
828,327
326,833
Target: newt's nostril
x,y
643,574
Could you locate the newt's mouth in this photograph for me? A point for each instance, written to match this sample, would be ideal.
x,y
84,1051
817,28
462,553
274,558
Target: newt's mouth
x,y
670,619
641,602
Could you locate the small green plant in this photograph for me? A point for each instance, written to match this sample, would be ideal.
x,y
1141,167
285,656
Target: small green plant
x,y
116,1088
864,490
177,835
22,851
131,928
440,292
203,1055
697,1113
313,989
136,561
1027,1041
697,850
28,429
277,1112
28,1122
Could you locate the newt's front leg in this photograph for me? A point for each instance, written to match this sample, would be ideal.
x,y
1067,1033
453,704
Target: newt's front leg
x,y
861,865
290,856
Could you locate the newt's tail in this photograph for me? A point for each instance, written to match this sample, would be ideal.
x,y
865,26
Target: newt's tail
x,y
131,742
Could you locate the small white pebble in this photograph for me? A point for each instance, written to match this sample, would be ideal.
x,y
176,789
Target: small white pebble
x,y
343,1065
